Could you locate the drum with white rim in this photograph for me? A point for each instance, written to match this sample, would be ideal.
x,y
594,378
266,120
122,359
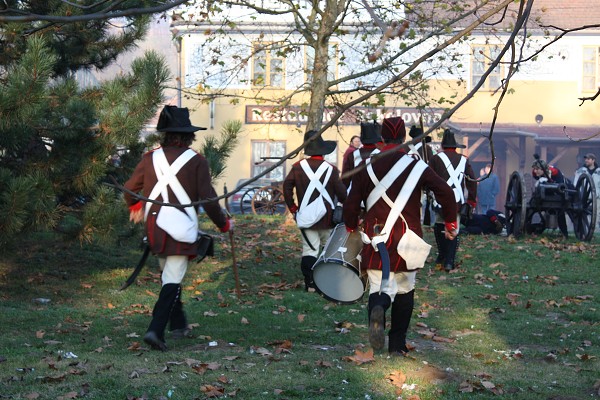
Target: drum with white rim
x,y
337,274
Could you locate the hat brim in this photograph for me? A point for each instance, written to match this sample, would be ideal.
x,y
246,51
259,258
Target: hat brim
x,y
454,146
426,138
320,148
182,129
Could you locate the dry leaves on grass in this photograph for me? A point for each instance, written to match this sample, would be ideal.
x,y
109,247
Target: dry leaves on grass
x,y
360,357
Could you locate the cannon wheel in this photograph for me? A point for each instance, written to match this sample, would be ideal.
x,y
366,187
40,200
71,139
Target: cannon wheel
x,y
246,201
515,207
584,214
268,200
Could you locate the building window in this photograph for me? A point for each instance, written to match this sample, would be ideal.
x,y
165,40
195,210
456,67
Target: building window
x,y
591,60
268,66
332,62
483,56
265,153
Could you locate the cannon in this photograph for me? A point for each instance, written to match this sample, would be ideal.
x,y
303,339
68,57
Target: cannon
x,y
537,209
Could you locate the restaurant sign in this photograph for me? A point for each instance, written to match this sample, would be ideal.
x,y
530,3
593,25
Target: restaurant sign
x,y
296,116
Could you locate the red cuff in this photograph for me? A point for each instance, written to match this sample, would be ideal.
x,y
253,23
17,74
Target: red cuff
x,y
349,230
472,203
135,207
226,227
493,218
451,226
294,209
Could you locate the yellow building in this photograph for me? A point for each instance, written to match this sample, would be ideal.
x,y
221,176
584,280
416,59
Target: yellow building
x,y
542,113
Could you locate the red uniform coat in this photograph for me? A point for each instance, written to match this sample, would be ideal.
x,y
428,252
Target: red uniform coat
x,y
299,180
195,179
377,215
439,167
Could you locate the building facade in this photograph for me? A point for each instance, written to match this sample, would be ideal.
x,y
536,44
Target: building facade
x,y
543,112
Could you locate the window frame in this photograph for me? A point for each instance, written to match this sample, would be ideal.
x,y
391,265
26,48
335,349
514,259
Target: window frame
x,y
267,81
333,64
258,165
480,63
595,63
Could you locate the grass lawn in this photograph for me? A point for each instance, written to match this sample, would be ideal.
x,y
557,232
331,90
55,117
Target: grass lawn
x,y
520,319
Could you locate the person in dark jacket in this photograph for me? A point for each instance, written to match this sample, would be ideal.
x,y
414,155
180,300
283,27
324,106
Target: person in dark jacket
x,y
408,177
314,180
493,222
173,174
453,168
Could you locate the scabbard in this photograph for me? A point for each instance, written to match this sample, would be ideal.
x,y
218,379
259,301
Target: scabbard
x,y
385,265
137,269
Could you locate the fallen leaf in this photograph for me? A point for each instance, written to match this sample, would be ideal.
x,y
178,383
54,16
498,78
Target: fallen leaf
x,y
245,321
360,357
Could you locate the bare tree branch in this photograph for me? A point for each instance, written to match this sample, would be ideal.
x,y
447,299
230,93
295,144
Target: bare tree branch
x,y
106,13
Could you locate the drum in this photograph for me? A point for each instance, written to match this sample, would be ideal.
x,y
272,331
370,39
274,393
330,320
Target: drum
x,y
336,274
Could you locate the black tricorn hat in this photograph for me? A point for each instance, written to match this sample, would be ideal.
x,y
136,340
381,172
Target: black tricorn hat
x,y
173,119
370,132
318,147
415,131
448,140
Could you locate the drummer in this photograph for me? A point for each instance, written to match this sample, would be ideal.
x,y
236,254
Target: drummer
x,y
305,177
397,292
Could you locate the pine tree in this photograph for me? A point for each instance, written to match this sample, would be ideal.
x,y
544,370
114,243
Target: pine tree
x,y
56,137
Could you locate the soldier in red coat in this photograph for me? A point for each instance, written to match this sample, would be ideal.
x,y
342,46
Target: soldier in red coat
x,y
409,176
452,167
317,184
174,174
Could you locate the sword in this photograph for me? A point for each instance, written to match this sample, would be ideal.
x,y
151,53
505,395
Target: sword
x,y
138,267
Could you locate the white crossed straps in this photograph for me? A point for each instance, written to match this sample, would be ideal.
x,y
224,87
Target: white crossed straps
x,y
166,175
414,149
315,182
455,176
418,167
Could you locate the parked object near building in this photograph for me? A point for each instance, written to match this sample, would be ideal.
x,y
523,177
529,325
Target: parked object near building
x,y
262,196
540,211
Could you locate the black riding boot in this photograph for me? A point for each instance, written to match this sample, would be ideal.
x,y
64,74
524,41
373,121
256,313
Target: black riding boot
x,y
167,299
441,241
306,265
378,305
451,255
402,309
178,322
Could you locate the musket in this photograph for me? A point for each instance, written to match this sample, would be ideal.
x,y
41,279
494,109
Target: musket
x,y
232,244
